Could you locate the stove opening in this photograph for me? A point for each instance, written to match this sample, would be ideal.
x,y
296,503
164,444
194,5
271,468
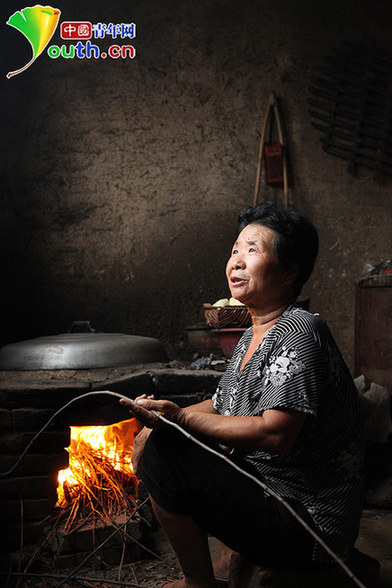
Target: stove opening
x,y
99,480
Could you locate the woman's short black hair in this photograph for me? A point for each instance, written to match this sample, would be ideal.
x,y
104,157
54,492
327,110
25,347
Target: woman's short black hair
x,y
296,242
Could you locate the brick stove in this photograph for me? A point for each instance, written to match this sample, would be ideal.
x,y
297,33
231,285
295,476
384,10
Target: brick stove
x,y
29,399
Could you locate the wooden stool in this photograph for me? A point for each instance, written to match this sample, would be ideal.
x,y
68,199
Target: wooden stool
x,y
244,574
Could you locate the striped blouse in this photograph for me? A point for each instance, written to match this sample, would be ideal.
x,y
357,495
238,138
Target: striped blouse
x,y
299,367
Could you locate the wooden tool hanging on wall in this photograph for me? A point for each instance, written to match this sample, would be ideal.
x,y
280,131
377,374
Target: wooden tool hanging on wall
x,y
272,158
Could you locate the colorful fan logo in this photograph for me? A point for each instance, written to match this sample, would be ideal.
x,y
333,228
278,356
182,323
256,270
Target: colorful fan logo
x,y
37,24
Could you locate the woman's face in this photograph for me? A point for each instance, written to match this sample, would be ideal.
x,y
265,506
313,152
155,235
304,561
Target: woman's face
x,y
253,272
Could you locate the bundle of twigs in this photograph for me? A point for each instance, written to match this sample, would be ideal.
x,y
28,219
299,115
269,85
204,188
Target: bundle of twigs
x,y
99,487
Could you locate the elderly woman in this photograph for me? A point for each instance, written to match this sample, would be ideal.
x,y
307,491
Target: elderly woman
x,y
285,410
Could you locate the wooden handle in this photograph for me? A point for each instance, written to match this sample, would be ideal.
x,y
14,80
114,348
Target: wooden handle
x,y
284,152
272,107
270,104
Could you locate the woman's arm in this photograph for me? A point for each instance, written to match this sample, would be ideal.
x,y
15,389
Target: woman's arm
x,y
140,440
275,431
206,406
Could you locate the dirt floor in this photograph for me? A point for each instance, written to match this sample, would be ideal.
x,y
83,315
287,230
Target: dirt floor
x,y
375,539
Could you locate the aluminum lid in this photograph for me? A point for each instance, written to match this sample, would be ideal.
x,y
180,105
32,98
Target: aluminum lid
x,y
81,351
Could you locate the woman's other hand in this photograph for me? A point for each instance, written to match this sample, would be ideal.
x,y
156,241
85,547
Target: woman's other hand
x,y
138,449
145,409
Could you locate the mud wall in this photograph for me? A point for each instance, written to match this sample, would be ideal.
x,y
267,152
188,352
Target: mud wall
x,y
121,179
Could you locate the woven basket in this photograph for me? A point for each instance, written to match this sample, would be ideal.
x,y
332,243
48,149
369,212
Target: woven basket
x,y
226,316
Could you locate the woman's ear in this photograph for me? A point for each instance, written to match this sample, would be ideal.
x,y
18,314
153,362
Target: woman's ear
x,y
291,275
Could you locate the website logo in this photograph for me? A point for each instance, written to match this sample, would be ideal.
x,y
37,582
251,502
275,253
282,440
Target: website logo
x,y
85,30
76,30
37,24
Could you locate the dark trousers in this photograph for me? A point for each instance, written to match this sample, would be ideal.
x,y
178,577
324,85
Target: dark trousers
x,y
184,478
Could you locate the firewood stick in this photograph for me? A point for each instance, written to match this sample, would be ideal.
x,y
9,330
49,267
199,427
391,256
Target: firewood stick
x,y
78,578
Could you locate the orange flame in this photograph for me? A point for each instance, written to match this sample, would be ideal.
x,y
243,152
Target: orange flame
x,y
95,454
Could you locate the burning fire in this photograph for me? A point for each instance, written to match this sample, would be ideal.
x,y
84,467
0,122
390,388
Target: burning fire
x,y
100,475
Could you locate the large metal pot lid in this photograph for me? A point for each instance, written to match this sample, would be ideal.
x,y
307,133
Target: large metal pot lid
x,y
81,351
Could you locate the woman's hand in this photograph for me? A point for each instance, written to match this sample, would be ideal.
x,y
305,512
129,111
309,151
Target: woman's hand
x,y
138,449
146,417
142,408
146,409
